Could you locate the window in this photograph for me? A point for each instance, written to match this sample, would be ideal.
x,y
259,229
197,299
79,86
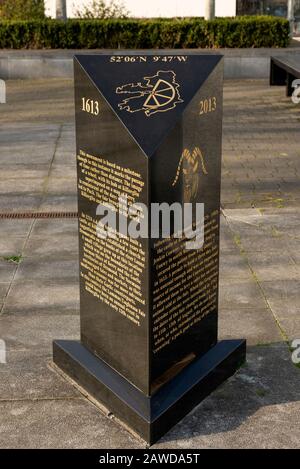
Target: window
x,y
297,17
262,7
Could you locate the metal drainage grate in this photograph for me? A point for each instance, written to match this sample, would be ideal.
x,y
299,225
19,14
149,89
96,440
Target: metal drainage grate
x,y
38,215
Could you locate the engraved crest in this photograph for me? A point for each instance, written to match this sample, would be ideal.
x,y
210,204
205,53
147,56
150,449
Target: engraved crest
x,y
158,93
189,163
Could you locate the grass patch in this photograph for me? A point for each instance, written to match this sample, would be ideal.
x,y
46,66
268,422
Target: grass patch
x,y
17,259
244,364
276,233
260,392
261,210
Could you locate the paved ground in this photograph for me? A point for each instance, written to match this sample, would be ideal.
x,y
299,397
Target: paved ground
x,y
260,276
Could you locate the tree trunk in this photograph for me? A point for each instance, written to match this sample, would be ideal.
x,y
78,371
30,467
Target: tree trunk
x,y
209,9
291,15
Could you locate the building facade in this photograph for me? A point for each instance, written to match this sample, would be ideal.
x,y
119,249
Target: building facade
x,y
155,8
268,7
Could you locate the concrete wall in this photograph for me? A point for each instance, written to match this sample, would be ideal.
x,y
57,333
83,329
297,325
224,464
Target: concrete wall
x,y
35,67
239,63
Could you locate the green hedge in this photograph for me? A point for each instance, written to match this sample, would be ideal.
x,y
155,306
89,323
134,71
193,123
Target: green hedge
x,y
252,31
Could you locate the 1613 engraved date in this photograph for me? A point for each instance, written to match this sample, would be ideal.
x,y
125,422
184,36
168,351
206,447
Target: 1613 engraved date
x,y
90,106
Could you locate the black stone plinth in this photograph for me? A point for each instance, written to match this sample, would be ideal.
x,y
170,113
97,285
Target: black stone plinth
x,y
148,132
150,417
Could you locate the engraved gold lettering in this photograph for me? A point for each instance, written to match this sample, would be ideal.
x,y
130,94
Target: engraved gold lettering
x,y
208,105
90,106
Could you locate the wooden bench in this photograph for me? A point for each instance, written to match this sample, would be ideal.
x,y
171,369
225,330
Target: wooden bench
x,y
284,70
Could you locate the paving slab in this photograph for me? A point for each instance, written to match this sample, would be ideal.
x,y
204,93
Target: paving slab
x,y
257,408
17,134
54,227
63,171
35,332
25,186
59,203
284,290
7,271
62,185
242,293
15,228
60,423
286,308
20,203
37,295
227,241
30,154
11,246
28,375
234,266
31,101
50,268
270,266
256,325
4,287
23,171
58,246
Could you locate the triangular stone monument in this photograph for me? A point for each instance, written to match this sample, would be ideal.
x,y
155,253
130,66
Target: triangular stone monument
x,y
148,127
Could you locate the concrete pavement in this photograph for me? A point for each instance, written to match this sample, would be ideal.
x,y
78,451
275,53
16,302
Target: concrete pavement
x,y
259,284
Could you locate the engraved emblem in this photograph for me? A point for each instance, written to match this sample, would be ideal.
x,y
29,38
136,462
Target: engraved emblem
x,y
159,93
189,163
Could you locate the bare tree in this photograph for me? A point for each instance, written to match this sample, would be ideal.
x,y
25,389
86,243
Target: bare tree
x,y
22,9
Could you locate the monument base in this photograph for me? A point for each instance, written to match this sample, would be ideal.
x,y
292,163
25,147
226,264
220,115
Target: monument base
x,y
150,417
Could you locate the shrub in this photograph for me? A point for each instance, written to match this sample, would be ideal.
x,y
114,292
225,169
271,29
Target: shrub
x,y
140,33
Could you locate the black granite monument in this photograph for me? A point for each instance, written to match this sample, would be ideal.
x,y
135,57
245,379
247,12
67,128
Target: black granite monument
x,y
148,129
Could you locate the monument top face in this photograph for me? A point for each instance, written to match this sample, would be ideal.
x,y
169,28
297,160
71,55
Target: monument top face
x,y
149,93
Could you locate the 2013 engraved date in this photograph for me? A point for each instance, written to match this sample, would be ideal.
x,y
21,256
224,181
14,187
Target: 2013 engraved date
x,y
207,105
